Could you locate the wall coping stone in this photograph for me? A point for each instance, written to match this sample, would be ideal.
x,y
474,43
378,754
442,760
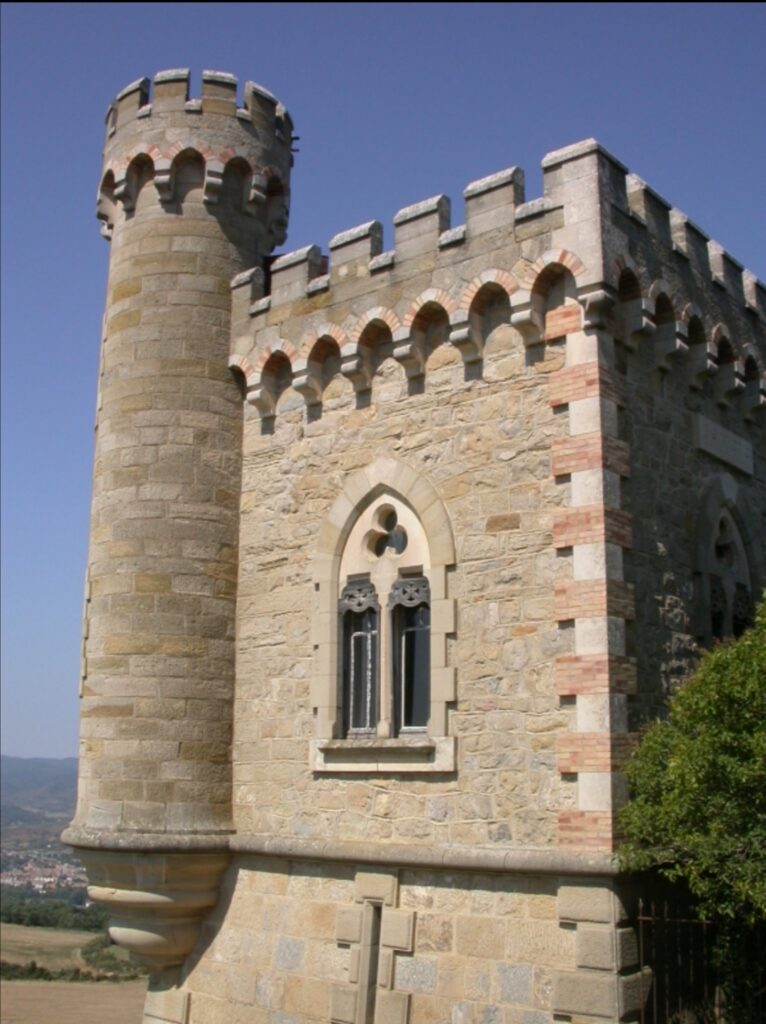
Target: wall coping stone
x,y
421,209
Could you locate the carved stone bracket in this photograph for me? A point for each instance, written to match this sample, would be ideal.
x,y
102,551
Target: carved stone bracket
x,y
702,363
528,320
408,351
635,321
155,901
464,336
729,382
263,399
355,367
306,382
670,343
213,180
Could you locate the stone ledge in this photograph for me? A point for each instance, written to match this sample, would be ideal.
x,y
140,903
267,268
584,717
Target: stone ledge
x,y
151,842
524,860
378,754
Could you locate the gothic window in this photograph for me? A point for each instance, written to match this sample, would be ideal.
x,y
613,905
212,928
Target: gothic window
x,y
724,593
385,660
382,683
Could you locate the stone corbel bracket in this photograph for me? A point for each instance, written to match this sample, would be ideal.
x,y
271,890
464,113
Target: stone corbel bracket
x,y
213,180
702,363
527,319
164,180
671,343
262,398
636,322
408,352
355,366
155,901
729,382
307,383
465,337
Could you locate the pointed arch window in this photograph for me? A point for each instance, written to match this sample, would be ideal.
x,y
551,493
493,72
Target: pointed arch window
x,y
724,581
383,683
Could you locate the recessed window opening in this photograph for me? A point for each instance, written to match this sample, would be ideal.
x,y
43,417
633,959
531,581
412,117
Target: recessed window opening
x,y
385,656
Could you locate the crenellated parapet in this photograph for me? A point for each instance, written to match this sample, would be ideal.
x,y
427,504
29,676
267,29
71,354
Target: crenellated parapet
x,y
152,129
649,298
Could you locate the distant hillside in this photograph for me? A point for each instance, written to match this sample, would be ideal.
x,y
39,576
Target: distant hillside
x,y
37,785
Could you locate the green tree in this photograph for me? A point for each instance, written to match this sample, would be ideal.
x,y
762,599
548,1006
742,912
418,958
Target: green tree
x,y
697,811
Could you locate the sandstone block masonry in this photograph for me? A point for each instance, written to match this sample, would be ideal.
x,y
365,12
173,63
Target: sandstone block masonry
x,y
375,611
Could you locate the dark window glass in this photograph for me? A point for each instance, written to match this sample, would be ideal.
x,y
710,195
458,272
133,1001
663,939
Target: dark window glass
x,y
411,642
359,607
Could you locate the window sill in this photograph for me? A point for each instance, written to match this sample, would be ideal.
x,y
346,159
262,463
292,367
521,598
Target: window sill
x,y
375,754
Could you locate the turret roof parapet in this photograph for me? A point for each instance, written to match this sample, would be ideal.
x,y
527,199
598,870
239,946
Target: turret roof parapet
x,y
170,88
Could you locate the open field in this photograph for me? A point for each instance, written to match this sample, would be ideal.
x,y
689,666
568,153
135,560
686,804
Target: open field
x,y
54,948
70,1002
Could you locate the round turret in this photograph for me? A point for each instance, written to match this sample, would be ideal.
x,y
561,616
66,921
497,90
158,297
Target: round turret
x,y
192,193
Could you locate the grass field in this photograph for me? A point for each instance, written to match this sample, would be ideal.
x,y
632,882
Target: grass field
x,y
54,948
71,1002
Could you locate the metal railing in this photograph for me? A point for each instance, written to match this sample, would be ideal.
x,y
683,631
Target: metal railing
x,y
685,985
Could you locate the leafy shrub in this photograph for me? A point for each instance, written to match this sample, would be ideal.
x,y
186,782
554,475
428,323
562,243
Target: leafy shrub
x,y
697,811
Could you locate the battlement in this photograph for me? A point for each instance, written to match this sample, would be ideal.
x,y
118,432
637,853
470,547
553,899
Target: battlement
x,y
169,92
153,127
625,260
583,173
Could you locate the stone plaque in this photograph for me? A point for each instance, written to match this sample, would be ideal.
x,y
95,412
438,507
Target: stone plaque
x,y
722,444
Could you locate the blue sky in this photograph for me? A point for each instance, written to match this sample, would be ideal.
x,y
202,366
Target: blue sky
x,y
393,103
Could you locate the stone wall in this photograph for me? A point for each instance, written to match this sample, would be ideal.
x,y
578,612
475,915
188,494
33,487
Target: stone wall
x,y
466,947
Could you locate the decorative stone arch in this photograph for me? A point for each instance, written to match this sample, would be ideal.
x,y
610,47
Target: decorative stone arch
x,y
324,330
382,313
554,294
473,320
390,483
125,171
633,317
242,365
728,561
278,346
535,275
625,262
358,360
426,326
431,295
267,388
236,177
503,278
268,188
670,330
106,205
729,367
754,395
310,377
533,304
721,336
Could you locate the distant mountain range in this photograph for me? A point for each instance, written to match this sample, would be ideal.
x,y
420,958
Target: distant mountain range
x,y
37,789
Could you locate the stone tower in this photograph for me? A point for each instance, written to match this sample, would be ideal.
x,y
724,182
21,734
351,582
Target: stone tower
x,y
192,192
368,640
